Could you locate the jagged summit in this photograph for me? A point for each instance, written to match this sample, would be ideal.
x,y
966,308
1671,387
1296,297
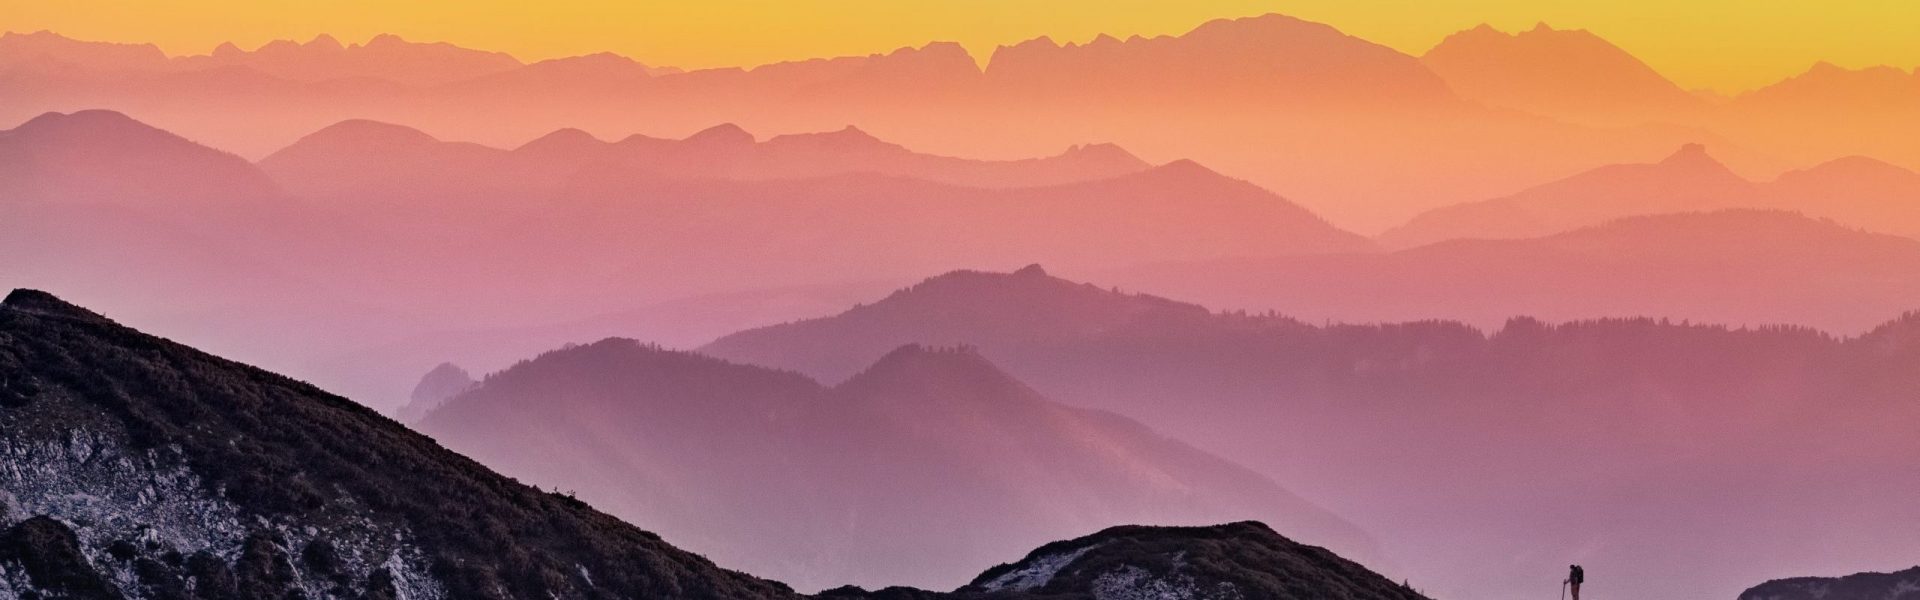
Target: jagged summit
x,y
1104,152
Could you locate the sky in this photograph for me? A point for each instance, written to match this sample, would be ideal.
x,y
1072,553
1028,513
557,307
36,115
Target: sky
x,y
1722,45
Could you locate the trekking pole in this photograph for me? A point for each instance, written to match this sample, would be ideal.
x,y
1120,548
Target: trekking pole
x,y
1563,590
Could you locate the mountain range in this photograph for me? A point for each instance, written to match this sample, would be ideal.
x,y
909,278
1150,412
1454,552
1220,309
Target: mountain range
x,y
139,468
1482,113
1735,266
1858,191
1563,73
929,459
1588,432
369,235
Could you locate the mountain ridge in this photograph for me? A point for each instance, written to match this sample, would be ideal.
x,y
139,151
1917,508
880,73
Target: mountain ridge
x,y
894,445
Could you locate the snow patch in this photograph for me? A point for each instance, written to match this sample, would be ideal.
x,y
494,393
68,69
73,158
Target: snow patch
x,y
1134,583
107,492
1036,574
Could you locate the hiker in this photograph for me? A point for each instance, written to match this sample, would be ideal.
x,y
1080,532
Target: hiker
x,y
1575,576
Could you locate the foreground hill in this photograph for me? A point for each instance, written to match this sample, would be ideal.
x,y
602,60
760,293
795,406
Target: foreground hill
x,y
928,461
136,468
1167,560
1898,585
1602,432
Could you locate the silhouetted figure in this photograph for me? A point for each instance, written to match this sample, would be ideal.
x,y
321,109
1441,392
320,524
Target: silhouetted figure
x,y
1575,576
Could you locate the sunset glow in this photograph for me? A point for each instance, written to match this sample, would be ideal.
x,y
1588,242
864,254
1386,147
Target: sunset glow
x,y
1726,46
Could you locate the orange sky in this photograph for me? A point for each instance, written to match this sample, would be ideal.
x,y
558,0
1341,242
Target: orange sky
x,y
1728,45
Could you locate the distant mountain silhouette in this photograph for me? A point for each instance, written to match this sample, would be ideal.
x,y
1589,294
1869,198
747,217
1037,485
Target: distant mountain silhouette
x,y
797,231
1859,586
1355,109
435,237
386,57
443,382
1268,58
1565,416
1562,73
1831,111
363,161
972,308
1857,191
49,51
1827,86
97,156
1736,266
927,460
1687,180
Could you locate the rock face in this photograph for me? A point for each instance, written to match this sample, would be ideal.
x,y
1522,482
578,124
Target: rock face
x,y
135,467
1898,585
1244,560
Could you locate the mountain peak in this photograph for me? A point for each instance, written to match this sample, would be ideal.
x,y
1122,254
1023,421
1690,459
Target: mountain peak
x,y
1184,168
1033,270
435,388
97,125
724,134
364,131
916,370
89,118
37,302
325,42
561,140
848,138
386,39
1105,152
1270,23
1691,155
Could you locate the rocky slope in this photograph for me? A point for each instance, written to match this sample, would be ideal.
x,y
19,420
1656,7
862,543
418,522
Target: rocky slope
x,y
135,467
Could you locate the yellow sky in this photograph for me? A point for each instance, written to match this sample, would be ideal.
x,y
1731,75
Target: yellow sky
x,y
1728,45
